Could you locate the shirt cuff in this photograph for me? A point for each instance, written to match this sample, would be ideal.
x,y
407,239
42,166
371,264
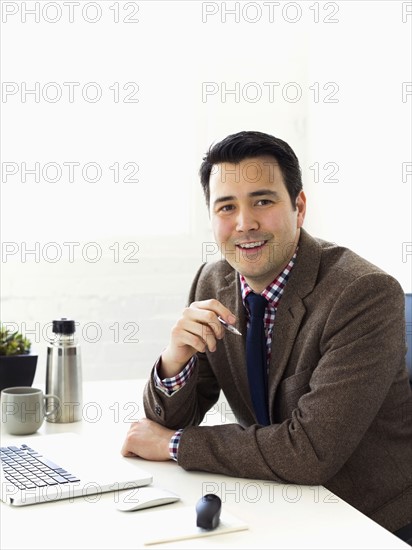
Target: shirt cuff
x,y
174,444
169,386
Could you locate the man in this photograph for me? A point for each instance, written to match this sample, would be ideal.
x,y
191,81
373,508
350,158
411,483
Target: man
x,y
328,400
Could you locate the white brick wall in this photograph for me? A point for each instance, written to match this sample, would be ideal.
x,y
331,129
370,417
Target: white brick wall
x,y
115,304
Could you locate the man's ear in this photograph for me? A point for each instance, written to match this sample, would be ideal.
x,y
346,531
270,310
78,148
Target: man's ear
x,y
301,208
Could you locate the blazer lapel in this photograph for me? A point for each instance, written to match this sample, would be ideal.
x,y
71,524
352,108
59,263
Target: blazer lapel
x,y
287,323
291,310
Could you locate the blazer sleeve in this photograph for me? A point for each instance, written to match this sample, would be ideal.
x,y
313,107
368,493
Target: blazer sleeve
x,y
187,406
362,349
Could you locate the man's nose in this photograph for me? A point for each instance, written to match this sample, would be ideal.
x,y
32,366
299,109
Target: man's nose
x,y
246,220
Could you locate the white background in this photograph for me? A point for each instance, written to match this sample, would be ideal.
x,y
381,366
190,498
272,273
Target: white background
x,y
339,96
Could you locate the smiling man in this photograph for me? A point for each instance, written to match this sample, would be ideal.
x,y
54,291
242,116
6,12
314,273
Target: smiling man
x,y
255,221
317,381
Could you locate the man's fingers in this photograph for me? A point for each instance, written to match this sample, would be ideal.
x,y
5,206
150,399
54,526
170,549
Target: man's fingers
x,y
201,312
217,307
196,335
127,453
131,440
148,440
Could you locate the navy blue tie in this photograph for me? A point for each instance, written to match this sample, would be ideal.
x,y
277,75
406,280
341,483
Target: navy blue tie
x,y
256,357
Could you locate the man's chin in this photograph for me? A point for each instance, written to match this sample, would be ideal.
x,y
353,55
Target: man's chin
x,y
257,274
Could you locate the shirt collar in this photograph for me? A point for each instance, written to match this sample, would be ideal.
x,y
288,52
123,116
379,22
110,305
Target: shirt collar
x,y
274,290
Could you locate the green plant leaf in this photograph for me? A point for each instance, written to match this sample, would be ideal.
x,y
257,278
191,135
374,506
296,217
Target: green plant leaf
x,y
13,343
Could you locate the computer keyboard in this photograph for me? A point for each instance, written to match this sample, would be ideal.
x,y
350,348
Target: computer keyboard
x,y
27,469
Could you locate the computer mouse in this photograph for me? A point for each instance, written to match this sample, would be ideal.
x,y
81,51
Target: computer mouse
x,y
140,498
208,510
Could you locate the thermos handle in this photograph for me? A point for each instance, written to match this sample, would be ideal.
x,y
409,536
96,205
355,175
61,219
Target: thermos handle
x,y
53,411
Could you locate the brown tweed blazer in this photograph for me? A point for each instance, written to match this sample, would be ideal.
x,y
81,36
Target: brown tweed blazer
x,y
339,397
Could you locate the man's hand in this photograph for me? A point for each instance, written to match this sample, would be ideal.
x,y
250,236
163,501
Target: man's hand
x,y
148,440
196,330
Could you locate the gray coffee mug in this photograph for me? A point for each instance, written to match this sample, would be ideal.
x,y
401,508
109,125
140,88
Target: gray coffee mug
x,y
23,409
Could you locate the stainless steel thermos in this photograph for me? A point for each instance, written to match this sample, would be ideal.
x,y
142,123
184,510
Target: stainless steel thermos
x,y
64,374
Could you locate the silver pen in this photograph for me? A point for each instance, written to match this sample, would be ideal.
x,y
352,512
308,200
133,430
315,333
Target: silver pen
x,y
230,328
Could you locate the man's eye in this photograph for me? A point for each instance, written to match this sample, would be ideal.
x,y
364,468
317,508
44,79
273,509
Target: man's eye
x,y
263,202
226,208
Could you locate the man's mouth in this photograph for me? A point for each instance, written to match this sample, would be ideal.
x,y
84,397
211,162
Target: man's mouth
x,y
251,245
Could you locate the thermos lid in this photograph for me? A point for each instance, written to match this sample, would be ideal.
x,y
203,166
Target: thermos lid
x,y
64,326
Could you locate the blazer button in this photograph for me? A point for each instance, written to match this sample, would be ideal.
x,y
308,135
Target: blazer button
x,y
158,410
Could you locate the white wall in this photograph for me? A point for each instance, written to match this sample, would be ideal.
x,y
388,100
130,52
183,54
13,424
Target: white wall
x,y
332,89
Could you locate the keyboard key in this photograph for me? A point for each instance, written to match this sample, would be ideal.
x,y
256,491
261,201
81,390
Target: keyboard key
x,y
60,479
50,481
39,482
28,485
48,463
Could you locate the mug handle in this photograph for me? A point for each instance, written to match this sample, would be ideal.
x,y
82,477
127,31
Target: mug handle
x,y
45,397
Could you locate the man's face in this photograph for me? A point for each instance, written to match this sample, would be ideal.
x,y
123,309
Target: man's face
x,y
253,220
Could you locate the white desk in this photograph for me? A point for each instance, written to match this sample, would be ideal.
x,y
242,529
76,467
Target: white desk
x,y
279,516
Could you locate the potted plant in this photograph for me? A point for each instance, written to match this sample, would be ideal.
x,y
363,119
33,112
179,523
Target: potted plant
x,y
17,365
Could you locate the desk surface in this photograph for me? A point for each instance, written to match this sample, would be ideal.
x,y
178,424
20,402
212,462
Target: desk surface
x,y
278,516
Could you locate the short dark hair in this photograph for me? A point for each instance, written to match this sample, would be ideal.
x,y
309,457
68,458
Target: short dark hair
x,y
249,144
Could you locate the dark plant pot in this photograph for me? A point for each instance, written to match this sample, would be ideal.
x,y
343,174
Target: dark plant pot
x,y
17,370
